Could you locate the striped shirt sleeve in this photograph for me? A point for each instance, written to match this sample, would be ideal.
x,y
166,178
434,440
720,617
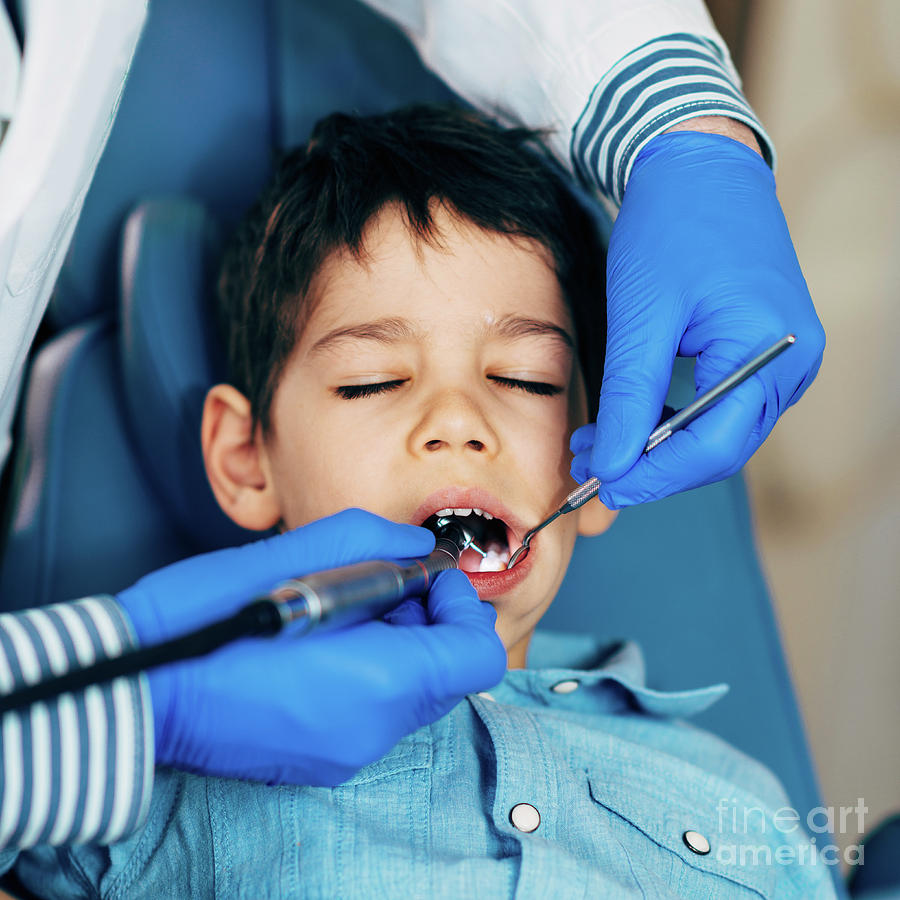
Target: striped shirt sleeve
x,y
659,84
78,769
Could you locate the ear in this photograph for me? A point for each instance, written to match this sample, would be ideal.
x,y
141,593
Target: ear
x,y
236,462
594,518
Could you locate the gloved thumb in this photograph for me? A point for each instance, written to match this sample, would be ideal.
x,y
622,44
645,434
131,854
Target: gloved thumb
x,y
462,627
453,601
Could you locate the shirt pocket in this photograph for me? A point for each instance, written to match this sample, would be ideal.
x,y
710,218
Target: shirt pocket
x,y
678,806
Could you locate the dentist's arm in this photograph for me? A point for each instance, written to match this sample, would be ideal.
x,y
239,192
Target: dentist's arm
x,y
306,711
700,261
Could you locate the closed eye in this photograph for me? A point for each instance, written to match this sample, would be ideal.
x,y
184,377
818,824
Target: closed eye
x,y
352,391
541,388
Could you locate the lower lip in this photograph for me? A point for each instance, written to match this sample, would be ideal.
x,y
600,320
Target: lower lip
x,y
495,584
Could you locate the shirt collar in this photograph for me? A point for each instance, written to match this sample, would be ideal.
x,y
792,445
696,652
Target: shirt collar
x,y
581,673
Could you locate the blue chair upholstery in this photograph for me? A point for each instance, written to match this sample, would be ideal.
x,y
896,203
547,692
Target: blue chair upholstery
x,y
216,89
109,482
197,117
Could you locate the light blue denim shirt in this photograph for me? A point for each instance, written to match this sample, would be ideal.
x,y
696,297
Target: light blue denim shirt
x,y
571,778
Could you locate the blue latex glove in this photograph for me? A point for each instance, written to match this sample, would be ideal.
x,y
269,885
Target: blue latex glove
x,y
701,264
311,710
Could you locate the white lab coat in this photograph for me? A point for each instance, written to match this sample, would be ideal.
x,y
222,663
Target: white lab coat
x,y
532,59
60,102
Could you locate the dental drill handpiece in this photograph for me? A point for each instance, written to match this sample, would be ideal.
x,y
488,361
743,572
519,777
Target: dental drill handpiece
x,y
325,599
367,590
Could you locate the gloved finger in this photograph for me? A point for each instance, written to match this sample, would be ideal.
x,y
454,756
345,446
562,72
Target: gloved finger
x,y
811,343
807,381
780,379
466,651
453,601
712,447
582,443
347,537
635,382
580,467
409,612
720,359
787,376
582,438
350,536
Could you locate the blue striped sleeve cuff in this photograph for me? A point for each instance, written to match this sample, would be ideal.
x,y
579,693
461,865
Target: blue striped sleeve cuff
x,y
78,769
663,82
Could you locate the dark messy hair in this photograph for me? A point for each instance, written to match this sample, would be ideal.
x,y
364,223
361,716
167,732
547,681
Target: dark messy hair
x,y
324,194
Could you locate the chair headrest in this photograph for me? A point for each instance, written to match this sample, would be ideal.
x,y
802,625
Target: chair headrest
x,y
170,357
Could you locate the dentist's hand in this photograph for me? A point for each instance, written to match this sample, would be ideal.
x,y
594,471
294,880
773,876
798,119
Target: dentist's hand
x,y
700,264
311,710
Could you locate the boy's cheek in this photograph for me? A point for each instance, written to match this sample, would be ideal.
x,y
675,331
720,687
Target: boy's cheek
x,y
578,402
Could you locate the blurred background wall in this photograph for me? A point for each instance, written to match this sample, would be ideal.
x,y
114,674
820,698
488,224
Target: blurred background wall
x,y
824,76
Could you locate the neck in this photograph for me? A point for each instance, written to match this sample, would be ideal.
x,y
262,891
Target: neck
x,y
516,655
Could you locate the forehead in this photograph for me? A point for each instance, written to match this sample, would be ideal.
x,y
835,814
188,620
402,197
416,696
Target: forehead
x,y
462,278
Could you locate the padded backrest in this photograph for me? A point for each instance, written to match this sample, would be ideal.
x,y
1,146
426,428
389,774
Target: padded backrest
x,y
169,358
197,118
216,89
109,480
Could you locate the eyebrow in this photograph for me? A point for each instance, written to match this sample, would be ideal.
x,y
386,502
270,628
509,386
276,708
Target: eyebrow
x,y
394,330
513,327
382,331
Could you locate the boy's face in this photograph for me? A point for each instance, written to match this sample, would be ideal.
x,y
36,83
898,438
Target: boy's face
x,y
427,377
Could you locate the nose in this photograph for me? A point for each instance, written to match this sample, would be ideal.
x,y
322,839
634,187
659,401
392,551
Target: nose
x,y
453,422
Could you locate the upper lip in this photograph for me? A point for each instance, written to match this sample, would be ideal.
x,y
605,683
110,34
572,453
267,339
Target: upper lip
x,y
470,498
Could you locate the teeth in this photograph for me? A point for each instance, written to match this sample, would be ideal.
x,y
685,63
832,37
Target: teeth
x,y
494,561
463,512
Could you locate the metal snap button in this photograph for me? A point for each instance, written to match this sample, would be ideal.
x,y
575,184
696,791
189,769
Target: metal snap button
x,y
565,687
696,842
525,817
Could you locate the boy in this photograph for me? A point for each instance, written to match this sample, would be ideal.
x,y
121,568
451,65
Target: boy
x,y
410,314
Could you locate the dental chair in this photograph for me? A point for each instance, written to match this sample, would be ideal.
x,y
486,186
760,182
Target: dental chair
x,y
108,481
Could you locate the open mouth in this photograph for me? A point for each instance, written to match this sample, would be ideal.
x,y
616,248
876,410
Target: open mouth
x,y
496,531
489,549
